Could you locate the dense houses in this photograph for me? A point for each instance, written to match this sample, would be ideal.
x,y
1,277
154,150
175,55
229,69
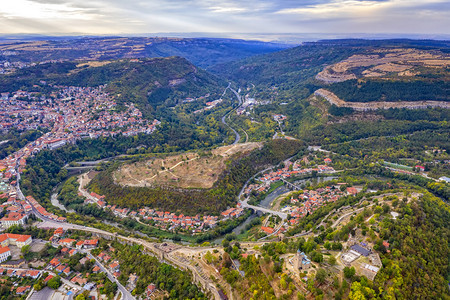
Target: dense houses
x,y
15,272
164,219
9,67
71,113
309,201
296,170
34,204
75,277
290,170
234,212
69,245
15,211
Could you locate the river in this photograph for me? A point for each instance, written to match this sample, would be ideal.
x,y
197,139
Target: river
x,y
267,201
55,202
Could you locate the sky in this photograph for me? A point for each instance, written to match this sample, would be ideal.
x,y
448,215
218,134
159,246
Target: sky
x,y
113,17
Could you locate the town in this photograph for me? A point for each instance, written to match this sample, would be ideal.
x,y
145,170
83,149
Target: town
x,y
164,220
64,266
70,114
290,170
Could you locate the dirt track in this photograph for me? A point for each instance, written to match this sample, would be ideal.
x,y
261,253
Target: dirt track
x,y
188,170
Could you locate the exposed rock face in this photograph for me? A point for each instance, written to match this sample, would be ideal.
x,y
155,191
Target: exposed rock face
x,y
362,106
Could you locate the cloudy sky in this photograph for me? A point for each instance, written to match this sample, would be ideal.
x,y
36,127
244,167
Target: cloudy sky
x,y
226,16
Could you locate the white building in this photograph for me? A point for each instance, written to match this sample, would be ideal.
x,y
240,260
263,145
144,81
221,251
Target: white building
x,y
16,219
4,254
18,240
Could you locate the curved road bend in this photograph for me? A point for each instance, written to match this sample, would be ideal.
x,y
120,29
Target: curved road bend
x,y
207,284
238,136
49,223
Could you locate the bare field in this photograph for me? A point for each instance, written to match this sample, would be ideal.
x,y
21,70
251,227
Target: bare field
x,y
187,170
94,63
401,62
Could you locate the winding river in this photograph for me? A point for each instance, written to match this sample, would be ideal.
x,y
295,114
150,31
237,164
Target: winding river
x,y
267,201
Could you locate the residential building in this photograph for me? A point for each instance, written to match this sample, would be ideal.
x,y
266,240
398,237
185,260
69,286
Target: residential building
x,y
5,252
13,219
18,240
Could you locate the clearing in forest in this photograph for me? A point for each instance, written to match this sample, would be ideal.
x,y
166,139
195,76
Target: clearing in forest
x,y
187,170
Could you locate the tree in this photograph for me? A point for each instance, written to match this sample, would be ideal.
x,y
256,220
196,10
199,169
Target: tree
x,y
226,263
316,256
25,249
349,272
39,285
54,283
321,275
336,246
332,260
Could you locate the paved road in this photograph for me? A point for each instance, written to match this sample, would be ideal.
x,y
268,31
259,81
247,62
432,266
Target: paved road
x,y
238,136
45,293
237,96
125,294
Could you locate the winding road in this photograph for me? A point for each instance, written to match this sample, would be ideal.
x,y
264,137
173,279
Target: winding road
x,y
238,136
206,283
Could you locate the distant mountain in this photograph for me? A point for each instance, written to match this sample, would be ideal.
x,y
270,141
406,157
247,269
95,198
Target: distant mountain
x,y
356,70
203,52
293,65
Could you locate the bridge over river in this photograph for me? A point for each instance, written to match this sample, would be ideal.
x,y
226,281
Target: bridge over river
x,y
280,214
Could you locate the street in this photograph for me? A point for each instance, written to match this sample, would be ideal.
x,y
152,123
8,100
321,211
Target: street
x,y
126,295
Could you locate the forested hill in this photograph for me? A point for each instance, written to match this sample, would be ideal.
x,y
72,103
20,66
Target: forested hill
x,y
305,61
289,66
148,82
203,52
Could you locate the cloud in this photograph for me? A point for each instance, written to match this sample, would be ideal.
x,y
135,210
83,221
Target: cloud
x,y
27,9
138,16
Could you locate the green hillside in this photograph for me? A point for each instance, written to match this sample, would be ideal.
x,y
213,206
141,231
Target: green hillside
x,y
293,70
288,67
147,82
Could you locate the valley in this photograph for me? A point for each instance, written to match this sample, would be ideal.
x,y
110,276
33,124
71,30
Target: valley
x,y
259,177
